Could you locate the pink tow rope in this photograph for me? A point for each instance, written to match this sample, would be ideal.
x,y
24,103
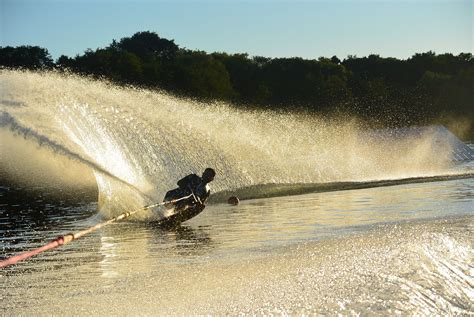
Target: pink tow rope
x,y
73,236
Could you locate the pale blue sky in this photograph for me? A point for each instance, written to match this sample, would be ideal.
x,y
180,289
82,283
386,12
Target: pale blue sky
x,y
308,29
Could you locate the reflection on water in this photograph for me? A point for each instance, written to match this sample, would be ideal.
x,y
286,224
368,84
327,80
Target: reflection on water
x,y
388,250
252,225
274,221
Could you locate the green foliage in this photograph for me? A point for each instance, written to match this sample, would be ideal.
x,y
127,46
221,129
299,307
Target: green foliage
x,y
29,57
386,90
433,81
147,46
201,75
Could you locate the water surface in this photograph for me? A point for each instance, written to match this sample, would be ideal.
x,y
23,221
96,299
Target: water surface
x,y
386,250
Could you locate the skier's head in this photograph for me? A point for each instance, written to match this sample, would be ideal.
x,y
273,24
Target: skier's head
x,y
208,175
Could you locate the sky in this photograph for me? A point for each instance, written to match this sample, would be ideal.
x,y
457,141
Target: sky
x,y
308,29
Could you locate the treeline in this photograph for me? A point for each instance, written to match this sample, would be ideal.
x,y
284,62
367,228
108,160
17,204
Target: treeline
x,y
388,91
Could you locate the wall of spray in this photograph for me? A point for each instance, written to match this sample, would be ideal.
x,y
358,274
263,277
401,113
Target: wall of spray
x,y
135,144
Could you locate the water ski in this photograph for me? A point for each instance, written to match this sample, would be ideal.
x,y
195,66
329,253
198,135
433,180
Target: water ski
x,y
180,216
183,208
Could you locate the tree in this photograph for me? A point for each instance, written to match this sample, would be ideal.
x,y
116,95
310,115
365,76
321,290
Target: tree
x,y
147,45
202,75
129,67
30,57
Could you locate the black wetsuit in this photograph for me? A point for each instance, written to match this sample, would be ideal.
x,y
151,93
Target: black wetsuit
x,y
191,184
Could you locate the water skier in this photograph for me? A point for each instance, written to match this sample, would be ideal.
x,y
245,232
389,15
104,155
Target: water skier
x,y
194,186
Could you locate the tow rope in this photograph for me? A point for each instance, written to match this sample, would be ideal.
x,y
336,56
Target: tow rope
x,y
62,240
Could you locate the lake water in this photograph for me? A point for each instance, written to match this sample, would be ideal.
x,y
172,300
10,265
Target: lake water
x,y
335,220
404,249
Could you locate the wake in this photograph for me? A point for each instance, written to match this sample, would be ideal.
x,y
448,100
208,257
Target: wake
x,y
277,190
